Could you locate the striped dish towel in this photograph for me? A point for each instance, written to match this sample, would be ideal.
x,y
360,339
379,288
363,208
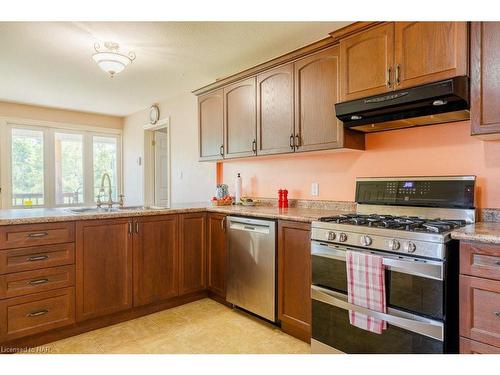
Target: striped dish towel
x,y
366,288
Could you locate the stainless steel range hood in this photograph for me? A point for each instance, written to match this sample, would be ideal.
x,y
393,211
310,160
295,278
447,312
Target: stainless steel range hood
x,y
434,103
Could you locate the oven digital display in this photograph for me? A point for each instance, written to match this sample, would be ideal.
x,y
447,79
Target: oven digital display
x,y
408,185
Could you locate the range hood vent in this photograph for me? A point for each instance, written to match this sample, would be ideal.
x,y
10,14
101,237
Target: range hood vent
x,y
434,103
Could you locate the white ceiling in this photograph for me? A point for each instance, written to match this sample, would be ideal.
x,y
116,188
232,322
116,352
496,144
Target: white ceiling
x,y
50,64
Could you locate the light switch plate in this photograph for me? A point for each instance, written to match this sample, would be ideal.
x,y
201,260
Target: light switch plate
x,y
314,189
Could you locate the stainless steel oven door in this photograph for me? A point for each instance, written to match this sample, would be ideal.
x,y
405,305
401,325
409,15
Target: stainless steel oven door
x,y
405,333
412,284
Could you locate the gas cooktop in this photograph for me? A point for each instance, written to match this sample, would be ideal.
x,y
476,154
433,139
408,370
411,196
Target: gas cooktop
x,y
406,223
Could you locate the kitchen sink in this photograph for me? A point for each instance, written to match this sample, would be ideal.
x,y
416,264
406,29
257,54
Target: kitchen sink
x,y
89,210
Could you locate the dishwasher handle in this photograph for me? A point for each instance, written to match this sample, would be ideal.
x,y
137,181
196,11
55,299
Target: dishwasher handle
x,y
250,225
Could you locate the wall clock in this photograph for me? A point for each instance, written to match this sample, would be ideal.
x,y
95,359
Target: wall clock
x,y
154,114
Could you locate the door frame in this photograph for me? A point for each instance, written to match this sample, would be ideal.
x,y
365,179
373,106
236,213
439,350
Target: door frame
x,y
149,161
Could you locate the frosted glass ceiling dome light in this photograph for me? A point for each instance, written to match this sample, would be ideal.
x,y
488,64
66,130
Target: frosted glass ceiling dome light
x,y
110,60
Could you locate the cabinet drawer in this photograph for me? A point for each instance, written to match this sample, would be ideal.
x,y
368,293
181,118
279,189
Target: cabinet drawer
x,y
474,347
480,309
24,316
23,283
33,258
480,260
12,236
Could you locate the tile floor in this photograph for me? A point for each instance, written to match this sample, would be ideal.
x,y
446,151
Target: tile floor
x,y
203,326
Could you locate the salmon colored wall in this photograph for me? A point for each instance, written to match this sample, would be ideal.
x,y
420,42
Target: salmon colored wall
x,y
446,149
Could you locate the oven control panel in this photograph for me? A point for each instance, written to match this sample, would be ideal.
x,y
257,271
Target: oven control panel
x,y
343,235
444,192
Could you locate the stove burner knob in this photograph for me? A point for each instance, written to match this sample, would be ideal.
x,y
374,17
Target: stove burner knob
x,y
365,240
410,247
330,236
342,237
394,244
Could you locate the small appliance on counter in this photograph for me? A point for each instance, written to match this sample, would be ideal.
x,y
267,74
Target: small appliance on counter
x,y
406,222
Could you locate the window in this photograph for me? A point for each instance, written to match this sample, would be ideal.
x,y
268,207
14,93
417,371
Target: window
x,y
68,150
52,167
104,152
27,167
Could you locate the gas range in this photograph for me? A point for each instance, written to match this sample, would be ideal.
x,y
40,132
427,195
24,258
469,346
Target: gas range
x,y
406,222
404,215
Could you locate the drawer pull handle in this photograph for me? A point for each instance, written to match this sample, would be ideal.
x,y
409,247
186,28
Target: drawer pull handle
x,y
37,313
37,258
497,262
38,235
497,314
38,281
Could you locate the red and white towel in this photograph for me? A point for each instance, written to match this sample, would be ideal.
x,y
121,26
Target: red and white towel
x,y
366,288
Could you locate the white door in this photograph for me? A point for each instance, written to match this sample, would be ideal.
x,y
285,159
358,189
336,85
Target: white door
x,y
161,167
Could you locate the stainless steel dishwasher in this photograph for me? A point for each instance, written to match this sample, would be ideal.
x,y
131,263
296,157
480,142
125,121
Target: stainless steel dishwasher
x,y
251,282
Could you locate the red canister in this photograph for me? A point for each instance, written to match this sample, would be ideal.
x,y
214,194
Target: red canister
x,y
285,198
280,198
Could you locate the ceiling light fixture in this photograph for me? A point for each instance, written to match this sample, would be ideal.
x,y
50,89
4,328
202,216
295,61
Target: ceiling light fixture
x,y
110,60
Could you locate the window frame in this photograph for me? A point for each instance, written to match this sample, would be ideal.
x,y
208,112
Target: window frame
x,y
49,129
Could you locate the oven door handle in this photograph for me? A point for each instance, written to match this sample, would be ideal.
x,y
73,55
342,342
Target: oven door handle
x,y
410,322
427,269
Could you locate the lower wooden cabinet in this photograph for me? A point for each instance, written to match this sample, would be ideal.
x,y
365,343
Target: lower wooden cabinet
x,y
104,267
294,278
156,258
27,315
480,309
479,298
475,347
216,243
192,252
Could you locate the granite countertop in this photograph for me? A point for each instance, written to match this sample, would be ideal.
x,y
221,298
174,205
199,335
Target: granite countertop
x,y
487,232
47,215
305,215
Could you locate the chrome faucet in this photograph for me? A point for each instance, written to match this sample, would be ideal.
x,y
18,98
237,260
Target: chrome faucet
x,y
110,199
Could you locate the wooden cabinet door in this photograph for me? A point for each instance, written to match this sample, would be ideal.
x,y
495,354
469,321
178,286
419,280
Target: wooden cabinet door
x,y
217,254
484,77
275,111
192,252
103,267
240,118
480,309
211,125
294,278
367,62
429,51
156,259
475,347
316,92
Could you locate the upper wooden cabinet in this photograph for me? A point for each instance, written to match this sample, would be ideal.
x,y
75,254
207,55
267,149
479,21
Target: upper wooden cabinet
x,y
429,51
211,125
156,259
367,62
316,92
397,55
240,118
484,78
275,131
104,267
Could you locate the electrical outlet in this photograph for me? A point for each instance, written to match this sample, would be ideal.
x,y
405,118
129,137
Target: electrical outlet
x,y
314,189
